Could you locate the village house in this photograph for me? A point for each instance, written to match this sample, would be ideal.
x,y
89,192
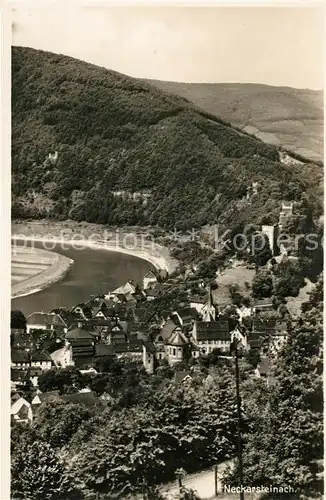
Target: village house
x,y
96,303
45,321
20,358
209,335
162,318
244,312
82,312
21,411
99,326
16,378
105,312
44,397
185,317
149,280
255,342
154,291
240,334
82,341
21,340
149,356
263,305
117,334
177,347
119,298
174,346
197,302
132,350
166,331
264,326
128,287
278,337
67,315
172,342
24,359
138,330
41,359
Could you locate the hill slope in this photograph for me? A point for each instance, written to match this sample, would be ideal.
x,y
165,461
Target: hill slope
x,y
283,116
128,153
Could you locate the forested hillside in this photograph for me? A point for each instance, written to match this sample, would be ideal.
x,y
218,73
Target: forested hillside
x,y
283,116
91,144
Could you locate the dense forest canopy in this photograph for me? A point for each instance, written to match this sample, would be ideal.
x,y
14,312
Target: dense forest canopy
x,y
128,153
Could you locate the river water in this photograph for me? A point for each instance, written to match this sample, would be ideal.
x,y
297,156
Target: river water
x,y
94,271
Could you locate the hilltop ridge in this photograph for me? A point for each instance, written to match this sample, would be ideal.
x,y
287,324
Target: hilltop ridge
x,y
283,116
95,145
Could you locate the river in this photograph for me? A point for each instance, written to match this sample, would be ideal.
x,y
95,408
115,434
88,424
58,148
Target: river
x,y
94,271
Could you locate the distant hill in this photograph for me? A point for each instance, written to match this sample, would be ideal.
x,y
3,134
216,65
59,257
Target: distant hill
x,y
95,145
283,116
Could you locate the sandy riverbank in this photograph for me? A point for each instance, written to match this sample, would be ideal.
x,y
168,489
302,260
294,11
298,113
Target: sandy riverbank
x,y
34,269
132,242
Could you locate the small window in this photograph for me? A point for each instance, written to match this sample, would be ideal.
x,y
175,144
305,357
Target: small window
x,y
173,351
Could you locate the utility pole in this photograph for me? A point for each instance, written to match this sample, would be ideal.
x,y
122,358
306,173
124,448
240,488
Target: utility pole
x,y
234,348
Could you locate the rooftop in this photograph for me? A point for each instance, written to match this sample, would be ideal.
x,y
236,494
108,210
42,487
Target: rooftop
x,y
85,398
178,338
19,356
44,319
40,355
212,330
79,333
167,329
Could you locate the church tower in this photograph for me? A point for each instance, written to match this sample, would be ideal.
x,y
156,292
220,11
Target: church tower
x,y
208,311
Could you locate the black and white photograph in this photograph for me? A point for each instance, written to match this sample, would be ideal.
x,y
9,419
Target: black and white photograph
x,y
166,239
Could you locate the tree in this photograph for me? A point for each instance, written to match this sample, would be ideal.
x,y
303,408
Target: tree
x,y
315,297
108,364
188,494
37,473
260,251
253,357
17,320
63,380
121,455
235,294
57,422
26,389
262,285
288,285
189,427
283,442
